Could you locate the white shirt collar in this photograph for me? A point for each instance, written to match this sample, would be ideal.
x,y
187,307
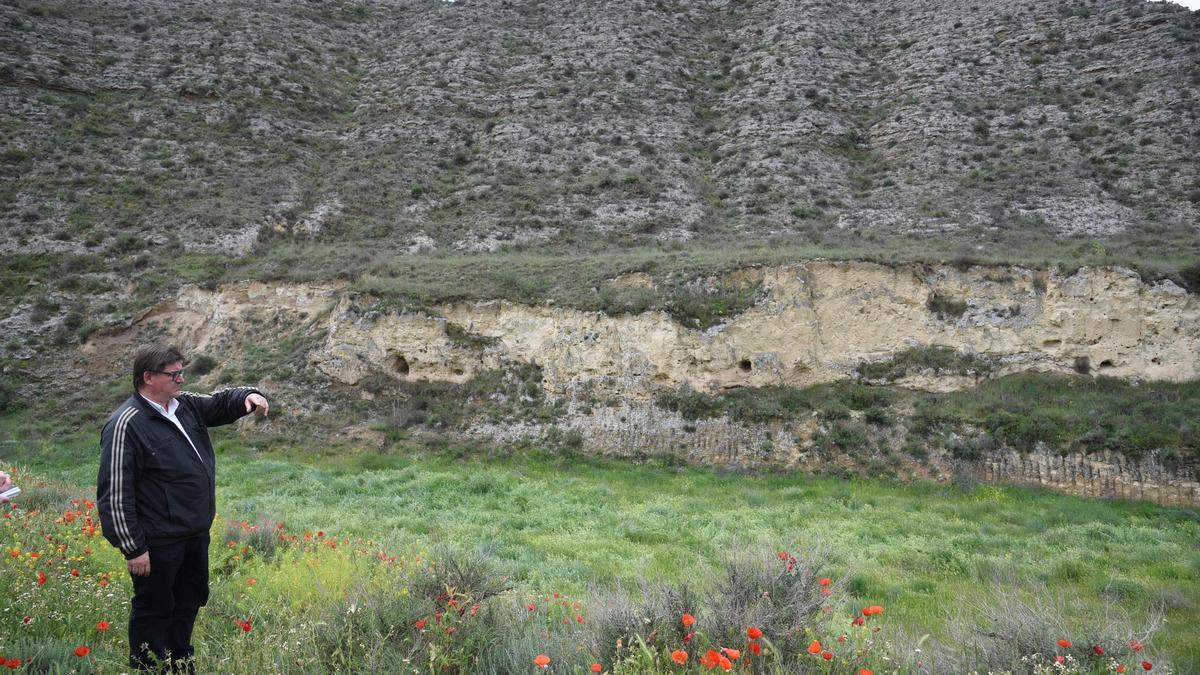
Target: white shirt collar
x,y
169,411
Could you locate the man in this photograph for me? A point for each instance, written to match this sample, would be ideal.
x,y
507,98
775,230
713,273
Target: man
x,y
156,494
5,483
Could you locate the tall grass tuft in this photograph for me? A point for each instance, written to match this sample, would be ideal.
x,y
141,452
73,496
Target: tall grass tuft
x,y
1023,624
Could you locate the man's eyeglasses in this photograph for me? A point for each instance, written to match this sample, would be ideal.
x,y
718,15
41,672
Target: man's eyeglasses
x,y
176,375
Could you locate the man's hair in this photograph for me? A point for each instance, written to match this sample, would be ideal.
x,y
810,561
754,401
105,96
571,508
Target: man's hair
x,y
153,358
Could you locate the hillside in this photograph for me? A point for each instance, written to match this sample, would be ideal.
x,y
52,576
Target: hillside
x,y
474,126
640,178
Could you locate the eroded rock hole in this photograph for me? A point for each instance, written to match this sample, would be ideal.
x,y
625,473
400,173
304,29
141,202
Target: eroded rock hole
x,y
1106,363
400,365
744,364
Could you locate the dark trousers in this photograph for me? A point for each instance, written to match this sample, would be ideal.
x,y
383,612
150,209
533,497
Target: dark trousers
x,y
165,604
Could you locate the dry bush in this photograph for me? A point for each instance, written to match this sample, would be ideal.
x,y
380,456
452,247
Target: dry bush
x,y
1023,620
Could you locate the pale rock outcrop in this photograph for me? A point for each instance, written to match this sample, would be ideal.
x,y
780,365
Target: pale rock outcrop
x,y
816,322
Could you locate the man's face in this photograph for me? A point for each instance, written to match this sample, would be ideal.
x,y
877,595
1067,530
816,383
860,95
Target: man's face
x,y
162,386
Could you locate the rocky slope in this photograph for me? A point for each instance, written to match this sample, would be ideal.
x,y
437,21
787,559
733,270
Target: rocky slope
x,y
478,125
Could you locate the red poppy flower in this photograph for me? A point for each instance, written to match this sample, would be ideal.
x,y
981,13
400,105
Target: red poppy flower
x,y
688,620
541,661
753,633
82,651
1065,644
1098,650
74,572
1135,645
596,667
732,653
531,607
710,659
726,664
1120,667
828,656
689,636
578,618
814,647
783,555
41,578
841,638
858,621
1060,659
865,671
101,626
824,581
679,656
420,624
1146,665
755,648
13,663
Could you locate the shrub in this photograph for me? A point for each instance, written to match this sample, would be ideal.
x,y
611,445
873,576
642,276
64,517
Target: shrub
x,y
930,418
848,436
879,417
461,337
945,308
9,398
260,539
618,301
702,308
1009,633
1024,429
1190,276
942,360
202,364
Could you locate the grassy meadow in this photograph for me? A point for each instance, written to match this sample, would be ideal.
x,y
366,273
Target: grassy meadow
x,y
330,559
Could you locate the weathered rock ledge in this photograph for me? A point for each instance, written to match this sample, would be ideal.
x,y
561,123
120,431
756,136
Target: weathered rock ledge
x,y
815,322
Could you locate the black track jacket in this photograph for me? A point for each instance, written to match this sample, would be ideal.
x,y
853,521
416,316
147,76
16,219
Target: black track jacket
x,y
152,487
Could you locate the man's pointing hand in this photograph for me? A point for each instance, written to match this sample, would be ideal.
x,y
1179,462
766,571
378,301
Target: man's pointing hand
x,y
257,404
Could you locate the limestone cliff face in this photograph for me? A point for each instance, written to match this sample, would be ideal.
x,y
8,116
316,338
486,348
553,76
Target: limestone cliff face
x,y
214,322
815,323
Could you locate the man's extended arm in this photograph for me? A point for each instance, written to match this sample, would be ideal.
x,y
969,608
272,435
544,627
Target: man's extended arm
x,y
227,405
116,486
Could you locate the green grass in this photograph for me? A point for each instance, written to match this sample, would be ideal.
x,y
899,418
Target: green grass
x,y
558,524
